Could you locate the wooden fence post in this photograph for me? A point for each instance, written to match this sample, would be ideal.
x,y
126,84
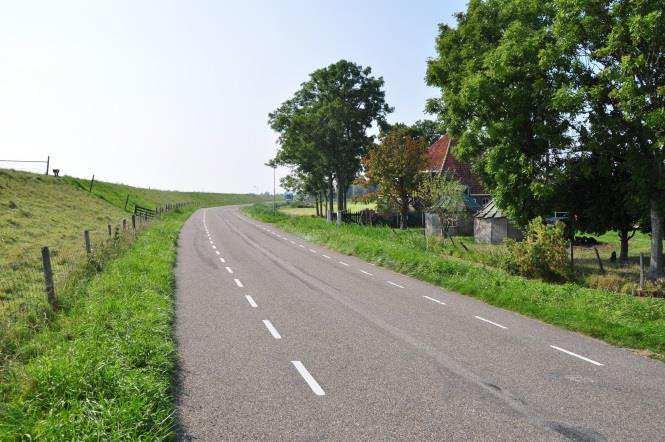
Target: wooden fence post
x,y
126,201
86,238
117,232
134,222
600,262
110,231
48,162
48,278
124,224
91,182
641,270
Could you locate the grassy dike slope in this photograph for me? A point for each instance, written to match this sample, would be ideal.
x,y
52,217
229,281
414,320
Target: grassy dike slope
x,y
116,194
103,369
622,320
38,210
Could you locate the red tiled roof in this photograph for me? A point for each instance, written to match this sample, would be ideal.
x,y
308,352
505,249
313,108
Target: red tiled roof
x,y
440,158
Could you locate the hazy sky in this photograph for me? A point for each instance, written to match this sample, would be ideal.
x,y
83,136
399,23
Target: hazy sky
x,y
175,94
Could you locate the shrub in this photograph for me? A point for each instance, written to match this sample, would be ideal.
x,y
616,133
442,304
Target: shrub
x,y
611,282
542,253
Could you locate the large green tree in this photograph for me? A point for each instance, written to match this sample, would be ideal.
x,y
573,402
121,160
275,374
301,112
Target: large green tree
x,y
325,124
617,53
499,83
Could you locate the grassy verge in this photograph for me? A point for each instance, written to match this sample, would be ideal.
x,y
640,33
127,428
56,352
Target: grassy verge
x,y
622,320
103,368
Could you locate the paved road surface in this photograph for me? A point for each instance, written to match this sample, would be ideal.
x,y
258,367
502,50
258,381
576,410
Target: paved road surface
x,y
282,339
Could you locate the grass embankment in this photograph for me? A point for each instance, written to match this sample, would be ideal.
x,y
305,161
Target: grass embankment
x,y
116,194
622,320
103,368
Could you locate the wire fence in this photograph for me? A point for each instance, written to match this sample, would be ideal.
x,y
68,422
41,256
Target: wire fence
x,y
39,284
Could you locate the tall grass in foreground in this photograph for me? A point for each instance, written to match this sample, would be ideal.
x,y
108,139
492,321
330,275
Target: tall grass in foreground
x,y
622,320
103,369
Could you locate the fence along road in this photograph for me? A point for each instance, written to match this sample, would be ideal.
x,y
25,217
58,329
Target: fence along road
x,y
364,352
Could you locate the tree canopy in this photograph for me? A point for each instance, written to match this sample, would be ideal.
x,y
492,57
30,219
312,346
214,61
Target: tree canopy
x,y
323,127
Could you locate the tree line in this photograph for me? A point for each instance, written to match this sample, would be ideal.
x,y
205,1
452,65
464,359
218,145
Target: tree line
x,y
556,104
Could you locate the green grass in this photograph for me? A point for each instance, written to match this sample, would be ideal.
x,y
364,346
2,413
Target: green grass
x,y
116,195
626,321
103,368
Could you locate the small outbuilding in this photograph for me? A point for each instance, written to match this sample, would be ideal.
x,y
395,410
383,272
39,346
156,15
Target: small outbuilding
x,y
492,227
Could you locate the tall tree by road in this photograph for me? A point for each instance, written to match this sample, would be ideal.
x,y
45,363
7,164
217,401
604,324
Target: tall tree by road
x,y
325,124
619,46
395,165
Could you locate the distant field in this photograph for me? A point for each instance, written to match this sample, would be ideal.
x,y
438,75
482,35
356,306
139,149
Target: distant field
x,y
311,211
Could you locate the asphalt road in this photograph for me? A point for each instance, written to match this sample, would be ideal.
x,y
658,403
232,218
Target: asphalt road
x,y
279,338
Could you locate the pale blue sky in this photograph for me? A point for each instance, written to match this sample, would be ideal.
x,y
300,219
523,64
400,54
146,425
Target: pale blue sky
x,y
175,94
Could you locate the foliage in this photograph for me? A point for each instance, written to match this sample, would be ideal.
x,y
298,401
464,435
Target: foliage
x,y
396,165
104,369
621,320
499,82
616,76
443,195
542,253
323,127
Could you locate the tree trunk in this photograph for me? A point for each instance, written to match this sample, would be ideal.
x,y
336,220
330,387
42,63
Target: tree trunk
x,y
404,211
623,237
656,261
316,203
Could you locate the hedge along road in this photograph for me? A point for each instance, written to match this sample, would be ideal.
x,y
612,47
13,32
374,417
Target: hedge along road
x,y
280,338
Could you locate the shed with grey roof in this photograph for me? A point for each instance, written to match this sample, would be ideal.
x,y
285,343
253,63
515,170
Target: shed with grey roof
x,y
491,226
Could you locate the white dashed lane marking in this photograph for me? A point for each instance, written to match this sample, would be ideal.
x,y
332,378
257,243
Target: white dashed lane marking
x,y
576,355
395,284
230,270
366,273
435,300
251,301
326,256
222,259
490,322
273,331
316,388
238,283
343,263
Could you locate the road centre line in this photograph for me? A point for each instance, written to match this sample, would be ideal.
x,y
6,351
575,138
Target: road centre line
x,y
576,355
434,300
238,283
312,250
222,259
292,242
273,331
229,269
251,301
490,322
300,245
326,256
217,252
343,263
366,273
316,388
396,285
214,247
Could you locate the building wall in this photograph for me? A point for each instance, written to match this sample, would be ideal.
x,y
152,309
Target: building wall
x,y
494,230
